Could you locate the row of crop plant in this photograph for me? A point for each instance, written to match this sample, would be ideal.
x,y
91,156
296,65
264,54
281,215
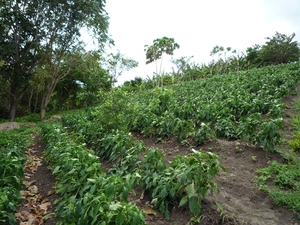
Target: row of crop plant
x,y
88,195
185,180
12,158
232,106
246,105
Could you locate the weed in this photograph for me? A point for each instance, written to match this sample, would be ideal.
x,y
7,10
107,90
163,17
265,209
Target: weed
x,y
254,158
221,211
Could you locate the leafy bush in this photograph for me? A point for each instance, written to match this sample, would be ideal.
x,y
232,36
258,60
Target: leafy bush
x,y
204,134
186,180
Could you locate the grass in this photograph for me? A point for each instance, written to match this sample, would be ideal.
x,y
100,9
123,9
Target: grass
x,y
282,180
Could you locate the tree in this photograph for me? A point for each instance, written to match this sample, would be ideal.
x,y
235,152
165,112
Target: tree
x,y
160,46
252,56
279,49
43,31
52,71
91,77
133,85
225,56
182,65
117,64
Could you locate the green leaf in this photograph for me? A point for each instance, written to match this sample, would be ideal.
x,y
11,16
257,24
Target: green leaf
x,y
183,201
194,205
163,193
115,206
56,169
110,190
191,190
120,218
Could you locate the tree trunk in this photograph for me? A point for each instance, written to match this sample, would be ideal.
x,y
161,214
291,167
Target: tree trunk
x,y
45,101
42,112
36,102
12,111
14,100
46,96
29,102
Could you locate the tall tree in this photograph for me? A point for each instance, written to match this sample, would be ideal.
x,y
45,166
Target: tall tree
x,y
118,63
252,56
43,31
159,47
280,49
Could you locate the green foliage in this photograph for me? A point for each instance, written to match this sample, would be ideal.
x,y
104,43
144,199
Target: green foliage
x,y
159,47
150,171
187,71
186,179
295,143
261,133
204,134
226,128
9,138
117,64
252,57
89,196
117,145
281,182
79,89
112,111
12,158
248,105
280,49
42,35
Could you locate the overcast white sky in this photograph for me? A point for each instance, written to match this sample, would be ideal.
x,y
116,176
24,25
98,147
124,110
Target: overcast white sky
x,y
197,26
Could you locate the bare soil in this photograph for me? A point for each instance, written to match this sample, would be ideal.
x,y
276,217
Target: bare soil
x,y
239,201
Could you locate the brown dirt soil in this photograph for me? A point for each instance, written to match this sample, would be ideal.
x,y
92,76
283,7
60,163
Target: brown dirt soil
x,y
239,201
39,178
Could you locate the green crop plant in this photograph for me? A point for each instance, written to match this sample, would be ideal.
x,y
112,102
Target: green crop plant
x,y
197,172
204,134
12,158
185,181
88,195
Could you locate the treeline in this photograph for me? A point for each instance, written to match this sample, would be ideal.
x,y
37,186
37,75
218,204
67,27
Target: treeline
x,y
278,49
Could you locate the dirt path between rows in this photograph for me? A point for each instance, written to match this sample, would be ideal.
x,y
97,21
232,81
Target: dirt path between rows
x,y
37,205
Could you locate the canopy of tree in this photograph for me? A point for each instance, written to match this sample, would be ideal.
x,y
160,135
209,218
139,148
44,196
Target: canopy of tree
x,y
42,34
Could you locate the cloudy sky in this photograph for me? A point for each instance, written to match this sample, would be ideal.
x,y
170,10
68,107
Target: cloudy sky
x,y
197,26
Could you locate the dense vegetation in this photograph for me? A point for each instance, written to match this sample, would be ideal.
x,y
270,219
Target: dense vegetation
x,y
247,105
281,180
44,66
12,158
